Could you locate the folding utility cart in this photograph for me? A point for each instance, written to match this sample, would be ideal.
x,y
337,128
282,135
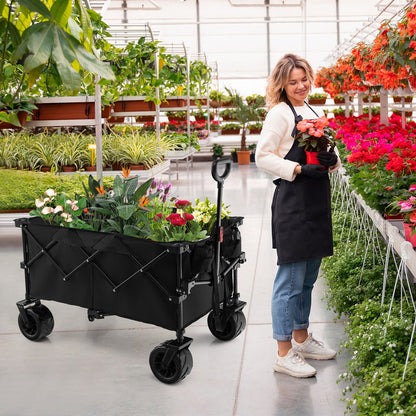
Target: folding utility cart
x,y
166,284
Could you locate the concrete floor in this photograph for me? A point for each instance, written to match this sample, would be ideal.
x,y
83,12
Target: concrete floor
x,y
101,367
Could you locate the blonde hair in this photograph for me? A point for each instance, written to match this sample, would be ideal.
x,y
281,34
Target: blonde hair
x,y
278,79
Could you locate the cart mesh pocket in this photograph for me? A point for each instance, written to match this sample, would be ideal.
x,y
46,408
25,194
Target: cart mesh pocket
x,y
231,245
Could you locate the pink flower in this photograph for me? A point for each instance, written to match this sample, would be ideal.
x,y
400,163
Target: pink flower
x,y
46,210
58,208
50,192
412,188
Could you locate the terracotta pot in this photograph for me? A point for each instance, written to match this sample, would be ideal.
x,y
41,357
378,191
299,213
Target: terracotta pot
x,y
229,132
254,131
133,105
173,102
373,99
115,120
91,168
116,166
243,157
339,100
64,111
228,118
317,101
105,112
407,99
145,119
45,168
140,166
215,104
69,168
21,115
393,217
407,234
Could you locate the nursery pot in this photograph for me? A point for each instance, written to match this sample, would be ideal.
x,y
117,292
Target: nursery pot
x,y
312,158
243,157
407,234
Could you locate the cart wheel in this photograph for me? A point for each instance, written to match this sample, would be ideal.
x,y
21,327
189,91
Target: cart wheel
x,y
178,368
233,327
40,323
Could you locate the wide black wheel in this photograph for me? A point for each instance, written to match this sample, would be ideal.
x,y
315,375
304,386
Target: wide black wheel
x,y
176,370
40,323
233,327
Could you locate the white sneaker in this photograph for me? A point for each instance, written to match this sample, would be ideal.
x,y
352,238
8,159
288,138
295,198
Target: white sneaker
x,y
294,365
311,348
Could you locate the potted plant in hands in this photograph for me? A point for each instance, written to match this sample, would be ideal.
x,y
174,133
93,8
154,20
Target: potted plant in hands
x,y
315,136
243,113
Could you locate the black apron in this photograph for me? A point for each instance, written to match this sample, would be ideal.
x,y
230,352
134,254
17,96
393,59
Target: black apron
x,y
301,212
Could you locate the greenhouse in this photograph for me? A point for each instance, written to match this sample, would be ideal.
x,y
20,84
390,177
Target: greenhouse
x,y
208,207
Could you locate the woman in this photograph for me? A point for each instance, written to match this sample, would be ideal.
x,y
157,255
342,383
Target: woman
x,y
301,214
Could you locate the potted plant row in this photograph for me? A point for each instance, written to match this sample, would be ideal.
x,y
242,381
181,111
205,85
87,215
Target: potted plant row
x,y
74,151
317,98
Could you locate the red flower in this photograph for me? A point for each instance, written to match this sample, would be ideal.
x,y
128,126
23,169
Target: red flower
x,y
180,203
188,217
158,217
176,219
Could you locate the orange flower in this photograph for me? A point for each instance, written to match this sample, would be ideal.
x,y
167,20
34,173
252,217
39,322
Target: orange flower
x,y
100,190
143,201
126,172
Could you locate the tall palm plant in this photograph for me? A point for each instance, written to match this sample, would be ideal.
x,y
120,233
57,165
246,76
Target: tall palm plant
x,y
243,113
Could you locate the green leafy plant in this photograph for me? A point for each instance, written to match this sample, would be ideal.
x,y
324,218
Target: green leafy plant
x,y
121,209
217,150
35,34
317,96
59,209
244,113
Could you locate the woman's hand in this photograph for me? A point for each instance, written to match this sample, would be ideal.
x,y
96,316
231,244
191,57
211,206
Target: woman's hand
x,y
314,171
327,158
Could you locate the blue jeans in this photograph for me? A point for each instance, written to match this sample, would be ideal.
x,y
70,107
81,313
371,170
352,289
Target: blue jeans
x,y
291,301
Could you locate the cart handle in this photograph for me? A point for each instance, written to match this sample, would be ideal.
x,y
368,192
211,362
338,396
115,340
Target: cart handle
x,y
214,169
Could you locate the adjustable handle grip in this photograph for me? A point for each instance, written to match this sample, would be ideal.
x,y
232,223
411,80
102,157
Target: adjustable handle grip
x,y
220,178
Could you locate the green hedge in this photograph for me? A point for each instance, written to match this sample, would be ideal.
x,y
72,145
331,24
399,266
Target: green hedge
x,y
20,188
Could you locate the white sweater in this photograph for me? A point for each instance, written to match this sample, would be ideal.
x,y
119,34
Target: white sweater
x,y
276,140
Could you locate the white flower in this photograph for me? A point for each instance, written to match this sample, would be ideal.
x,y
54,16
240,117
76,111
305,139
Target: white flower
x,y
66,217
46,210
50,192
58,208
75,207
39,203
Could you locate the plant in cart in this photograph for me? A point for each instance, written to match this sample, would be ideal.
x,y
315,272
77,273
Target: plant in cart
x,y
59,209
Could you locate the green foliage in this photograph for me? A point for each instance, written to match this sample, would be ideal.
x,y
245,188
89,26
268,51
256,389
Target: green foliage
x,y
20,188
217,150
317,96
121,208
378,342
